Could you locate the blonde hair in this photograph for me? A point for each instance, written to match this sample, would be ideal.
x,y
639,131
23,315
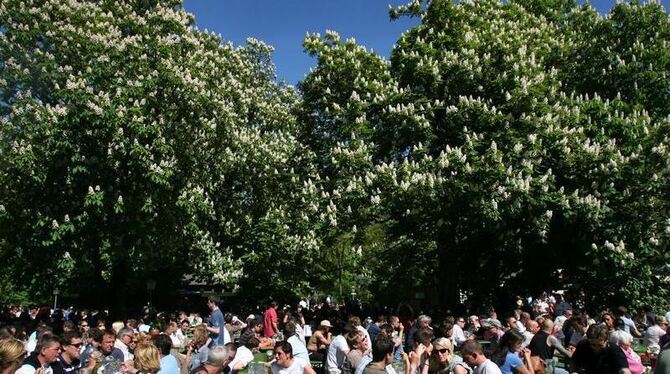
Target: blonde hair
x,y
11,353
117,326
147,358
435,364
200,335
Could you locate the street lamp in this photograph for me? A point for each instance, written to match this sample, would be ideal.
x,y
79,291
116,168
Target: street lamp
x,y
151,286
55,292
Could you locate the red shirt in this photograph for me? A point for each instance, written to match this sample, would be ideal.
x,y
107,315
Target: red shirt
x,y
269,318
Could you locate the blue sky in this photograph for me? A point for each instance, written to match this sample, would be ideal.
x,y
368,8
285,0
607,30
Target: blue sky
x,y
284,23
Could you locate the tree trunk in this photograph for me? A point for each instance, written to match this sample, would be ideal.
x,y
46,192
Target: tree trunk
x,y
449,268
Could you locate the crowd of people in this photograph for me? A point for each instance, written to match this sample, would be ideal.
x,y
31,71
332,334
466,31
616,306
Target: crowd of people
x,y
546,335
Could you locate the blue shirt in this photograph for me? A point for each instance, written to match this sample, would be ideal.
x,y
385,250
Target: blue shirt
x,y
216,320
512,361
169,365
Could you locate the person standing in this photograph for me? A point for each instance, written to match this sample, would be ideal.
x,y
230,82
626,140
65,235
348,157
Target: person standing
x,y
270,328
216,327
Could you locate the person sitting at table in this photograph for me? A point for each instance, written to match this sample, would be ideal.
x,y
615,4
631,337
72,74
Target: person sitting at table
x,y
254,329
319,341
198,348
291,336
624,341
217,359
358,347
443,360
285,363
245,354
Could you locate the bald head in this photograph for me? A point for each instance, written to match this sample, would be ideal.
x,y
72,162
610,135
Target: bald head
x,y
548,326
532,326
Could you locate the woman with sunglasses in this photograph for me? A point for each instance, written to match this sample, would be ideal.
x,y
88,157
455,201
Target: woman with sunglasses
x,y
444,361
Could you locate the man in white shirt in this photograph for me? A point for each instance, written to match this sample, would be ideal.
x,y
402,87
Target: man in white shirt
x,y
474,356
338,350
457,333
123,338
245,354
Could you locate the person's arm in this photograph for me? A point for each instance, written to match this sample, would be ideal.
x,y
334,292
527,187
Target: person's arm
x,y
323,339
426,367
239,366
214,330
525,367
458,369
415,357
554,342
308,369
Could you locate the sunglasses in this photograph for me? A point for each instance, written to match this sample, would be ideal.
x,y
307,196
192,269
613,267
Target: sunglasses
x,y
78,345
443,350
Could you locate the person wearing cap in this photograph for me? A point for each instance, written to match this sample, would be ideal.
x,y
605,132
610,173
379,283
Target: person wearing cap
x,y
444,361
217,360
319,341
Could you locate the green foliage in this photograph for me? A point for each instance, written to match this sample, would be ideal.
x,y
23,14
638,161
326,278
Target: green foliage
x,y
132,142
523,142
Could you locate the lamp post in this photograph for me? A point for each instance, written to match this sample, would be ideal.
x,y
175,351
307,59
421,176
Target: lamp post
x,y
151,286
56,292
